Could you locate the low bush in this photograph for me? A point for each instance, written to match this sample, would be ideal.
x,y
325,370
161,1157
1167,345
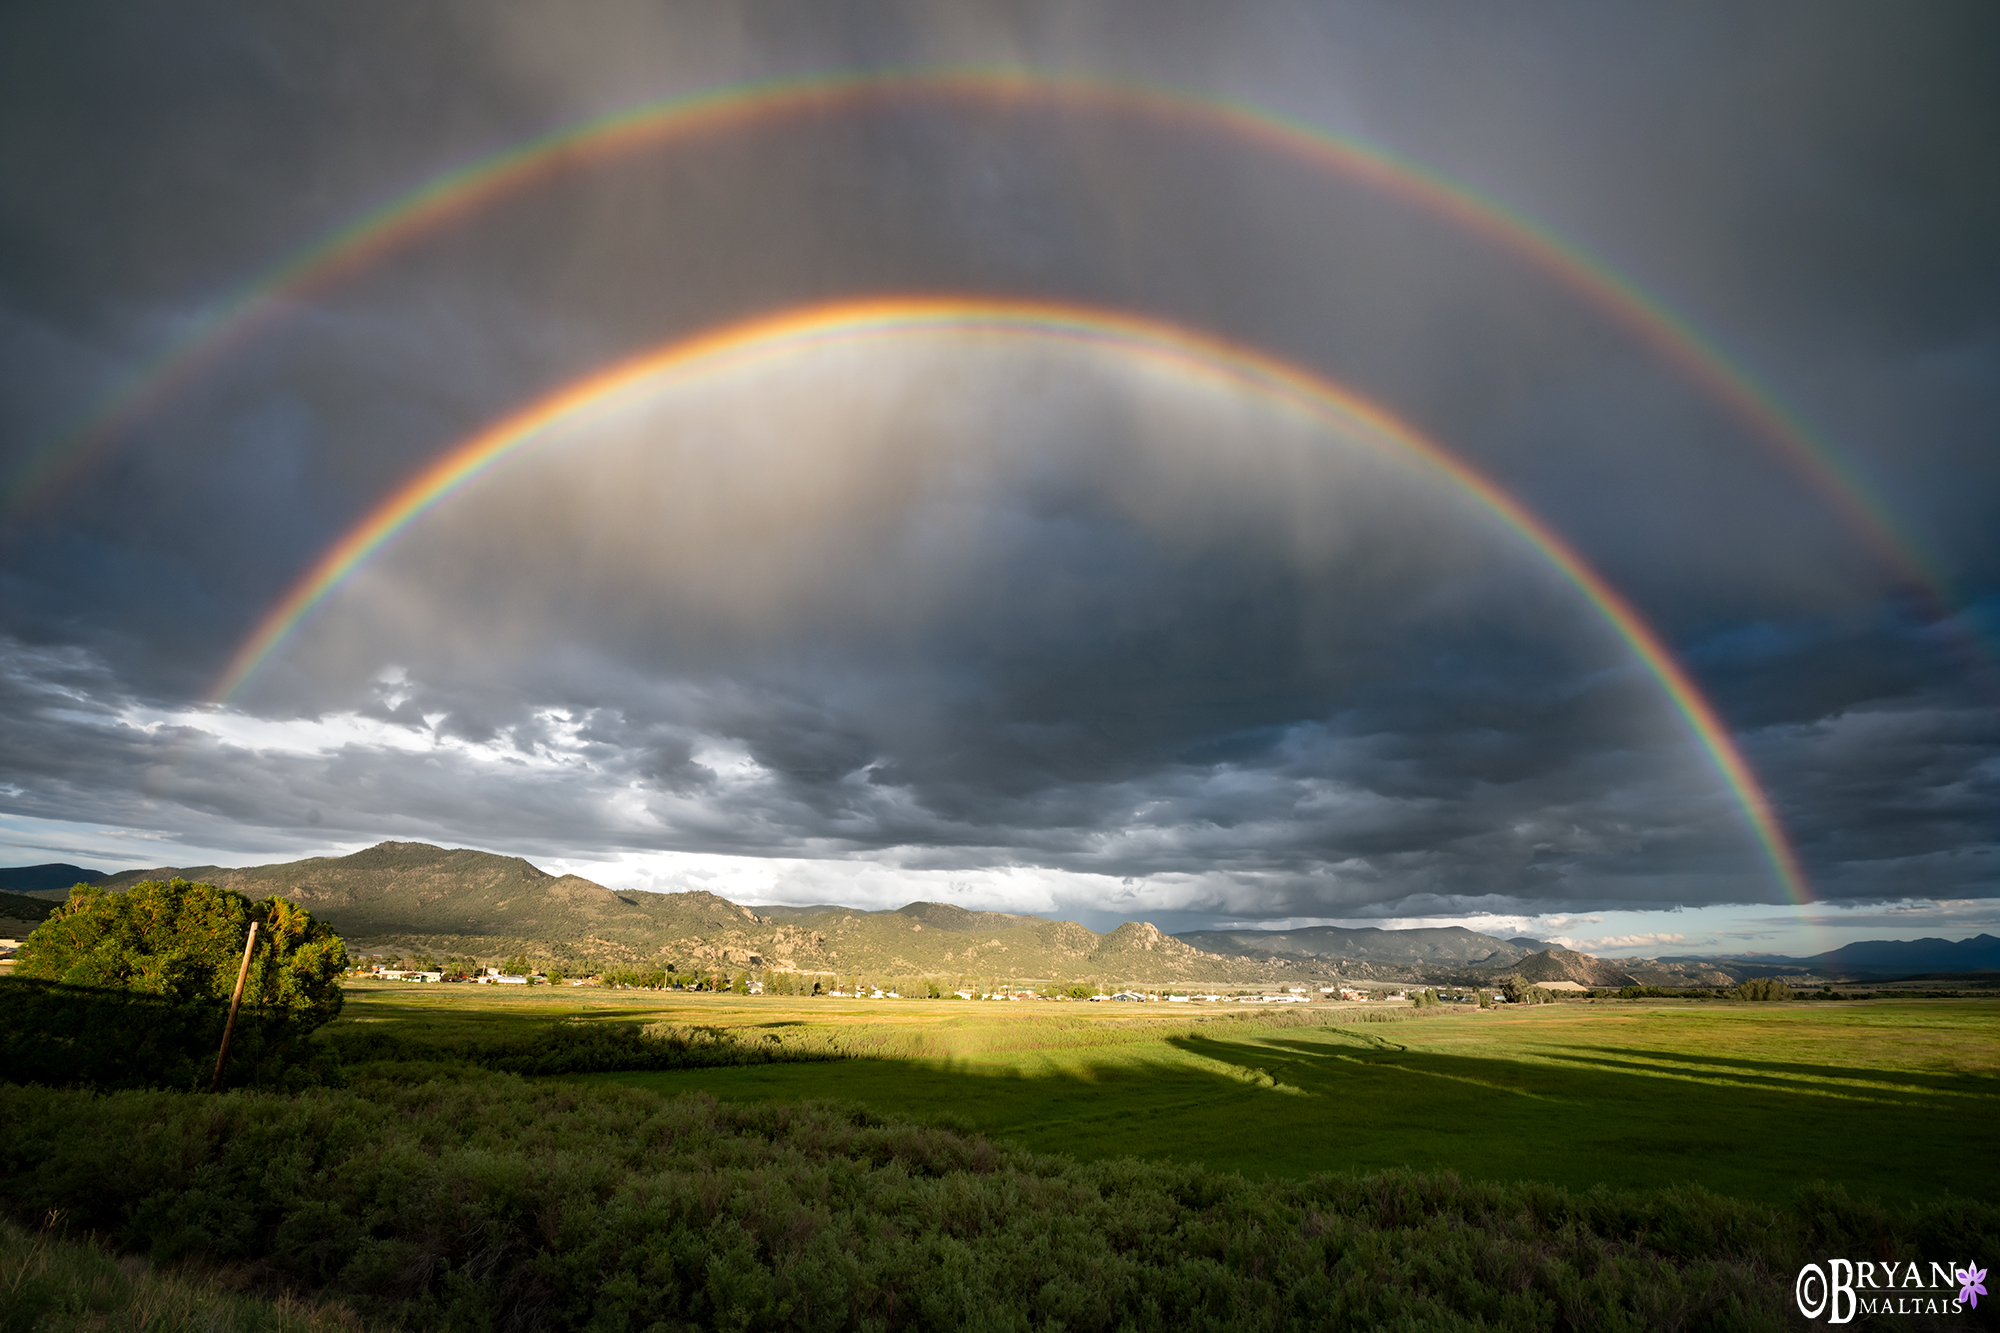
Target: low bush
x,y
482,1201
585,1046
112,1038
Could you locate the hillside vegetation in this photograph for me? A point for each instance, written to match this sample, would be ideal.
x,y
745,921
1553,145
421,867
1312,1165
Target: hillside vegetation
x,y
20,914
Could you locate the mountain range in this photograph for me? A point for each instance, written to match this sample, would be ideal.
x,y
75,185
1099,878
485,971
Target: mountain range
x,y
1887,958
403,897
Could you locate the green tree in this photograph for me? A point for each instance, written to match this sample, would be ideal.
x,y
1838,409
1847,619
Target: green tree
x,y
1761,988
184,942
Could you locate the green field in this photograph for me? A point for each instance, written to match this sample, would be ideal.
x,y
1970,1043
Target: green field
x,y
1888,1098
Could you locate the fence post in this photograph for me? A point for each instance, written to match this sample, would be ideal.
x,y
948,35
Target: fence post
x,y
229,1028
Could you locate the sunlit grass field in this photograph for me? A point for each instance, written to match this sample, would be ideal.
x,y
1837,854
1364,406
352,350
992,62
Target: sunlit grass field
x,y
1892,1099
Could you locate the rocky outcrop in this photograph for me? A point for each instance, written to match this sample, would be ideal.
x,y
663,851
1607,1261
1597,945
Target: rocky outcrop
x,y
1560,964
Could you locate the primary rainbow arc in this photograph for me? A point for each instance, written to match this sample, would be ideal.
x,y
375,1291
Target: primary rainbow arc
x,y
1186,352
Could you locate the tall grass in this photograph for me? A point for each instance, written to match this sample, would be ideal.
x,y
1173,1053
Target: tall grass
x,y
52,1285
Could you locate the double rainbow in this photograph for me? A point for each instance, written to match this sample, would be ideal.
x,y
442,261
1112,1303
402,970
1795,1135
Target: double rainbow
x,y
455,194
1184,352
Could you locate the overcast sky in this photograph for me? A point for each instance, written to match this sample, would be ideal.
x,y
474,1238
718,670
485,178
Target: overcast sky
x,y
1017,622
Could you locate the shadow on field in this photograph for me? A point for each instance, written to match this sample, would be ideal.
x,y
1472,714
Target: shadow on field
x,y
1338,1099
111,1037
1839,1079
1344,1094
1607,1072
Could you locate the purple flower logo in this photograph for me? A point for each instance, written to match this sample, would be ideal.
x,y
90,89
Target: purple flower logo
x,y
1974,1280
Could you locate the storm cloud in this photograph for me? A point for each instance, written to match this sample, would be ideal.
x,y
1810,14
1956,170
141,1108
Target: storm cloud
x,y
1038,622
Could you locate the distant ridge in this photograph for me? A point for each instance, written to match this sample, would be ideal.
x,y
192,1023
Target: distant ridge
x,y
53,880
1427,944
1978,954
1885,958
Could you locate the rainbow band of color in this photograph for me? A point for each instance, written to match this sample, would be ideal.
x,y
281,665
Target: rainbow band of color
x,y
455,194
1184,352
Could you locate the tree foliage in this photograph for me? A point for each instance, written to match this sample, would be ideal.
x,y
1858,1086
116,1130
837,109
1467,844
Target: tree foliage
x,y
1761,988
184,942
1521,991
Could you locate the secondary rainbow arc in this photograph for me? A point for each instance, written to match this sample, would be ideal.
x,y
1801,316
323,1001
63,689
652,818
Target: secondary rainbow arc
x,y
455,193
1184,351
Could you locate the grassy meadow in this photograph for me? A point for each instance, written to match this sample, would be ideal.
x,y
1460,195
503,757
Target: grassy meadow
x,y
1886,1098
849,1165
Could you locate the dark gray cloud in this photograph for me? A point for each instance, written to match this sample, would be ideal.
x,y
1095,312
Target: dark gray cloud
x,y
928,607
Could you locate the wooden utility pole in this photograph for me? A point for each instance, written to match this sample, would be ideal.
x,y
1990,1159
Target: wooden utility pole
x,y
229,1028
